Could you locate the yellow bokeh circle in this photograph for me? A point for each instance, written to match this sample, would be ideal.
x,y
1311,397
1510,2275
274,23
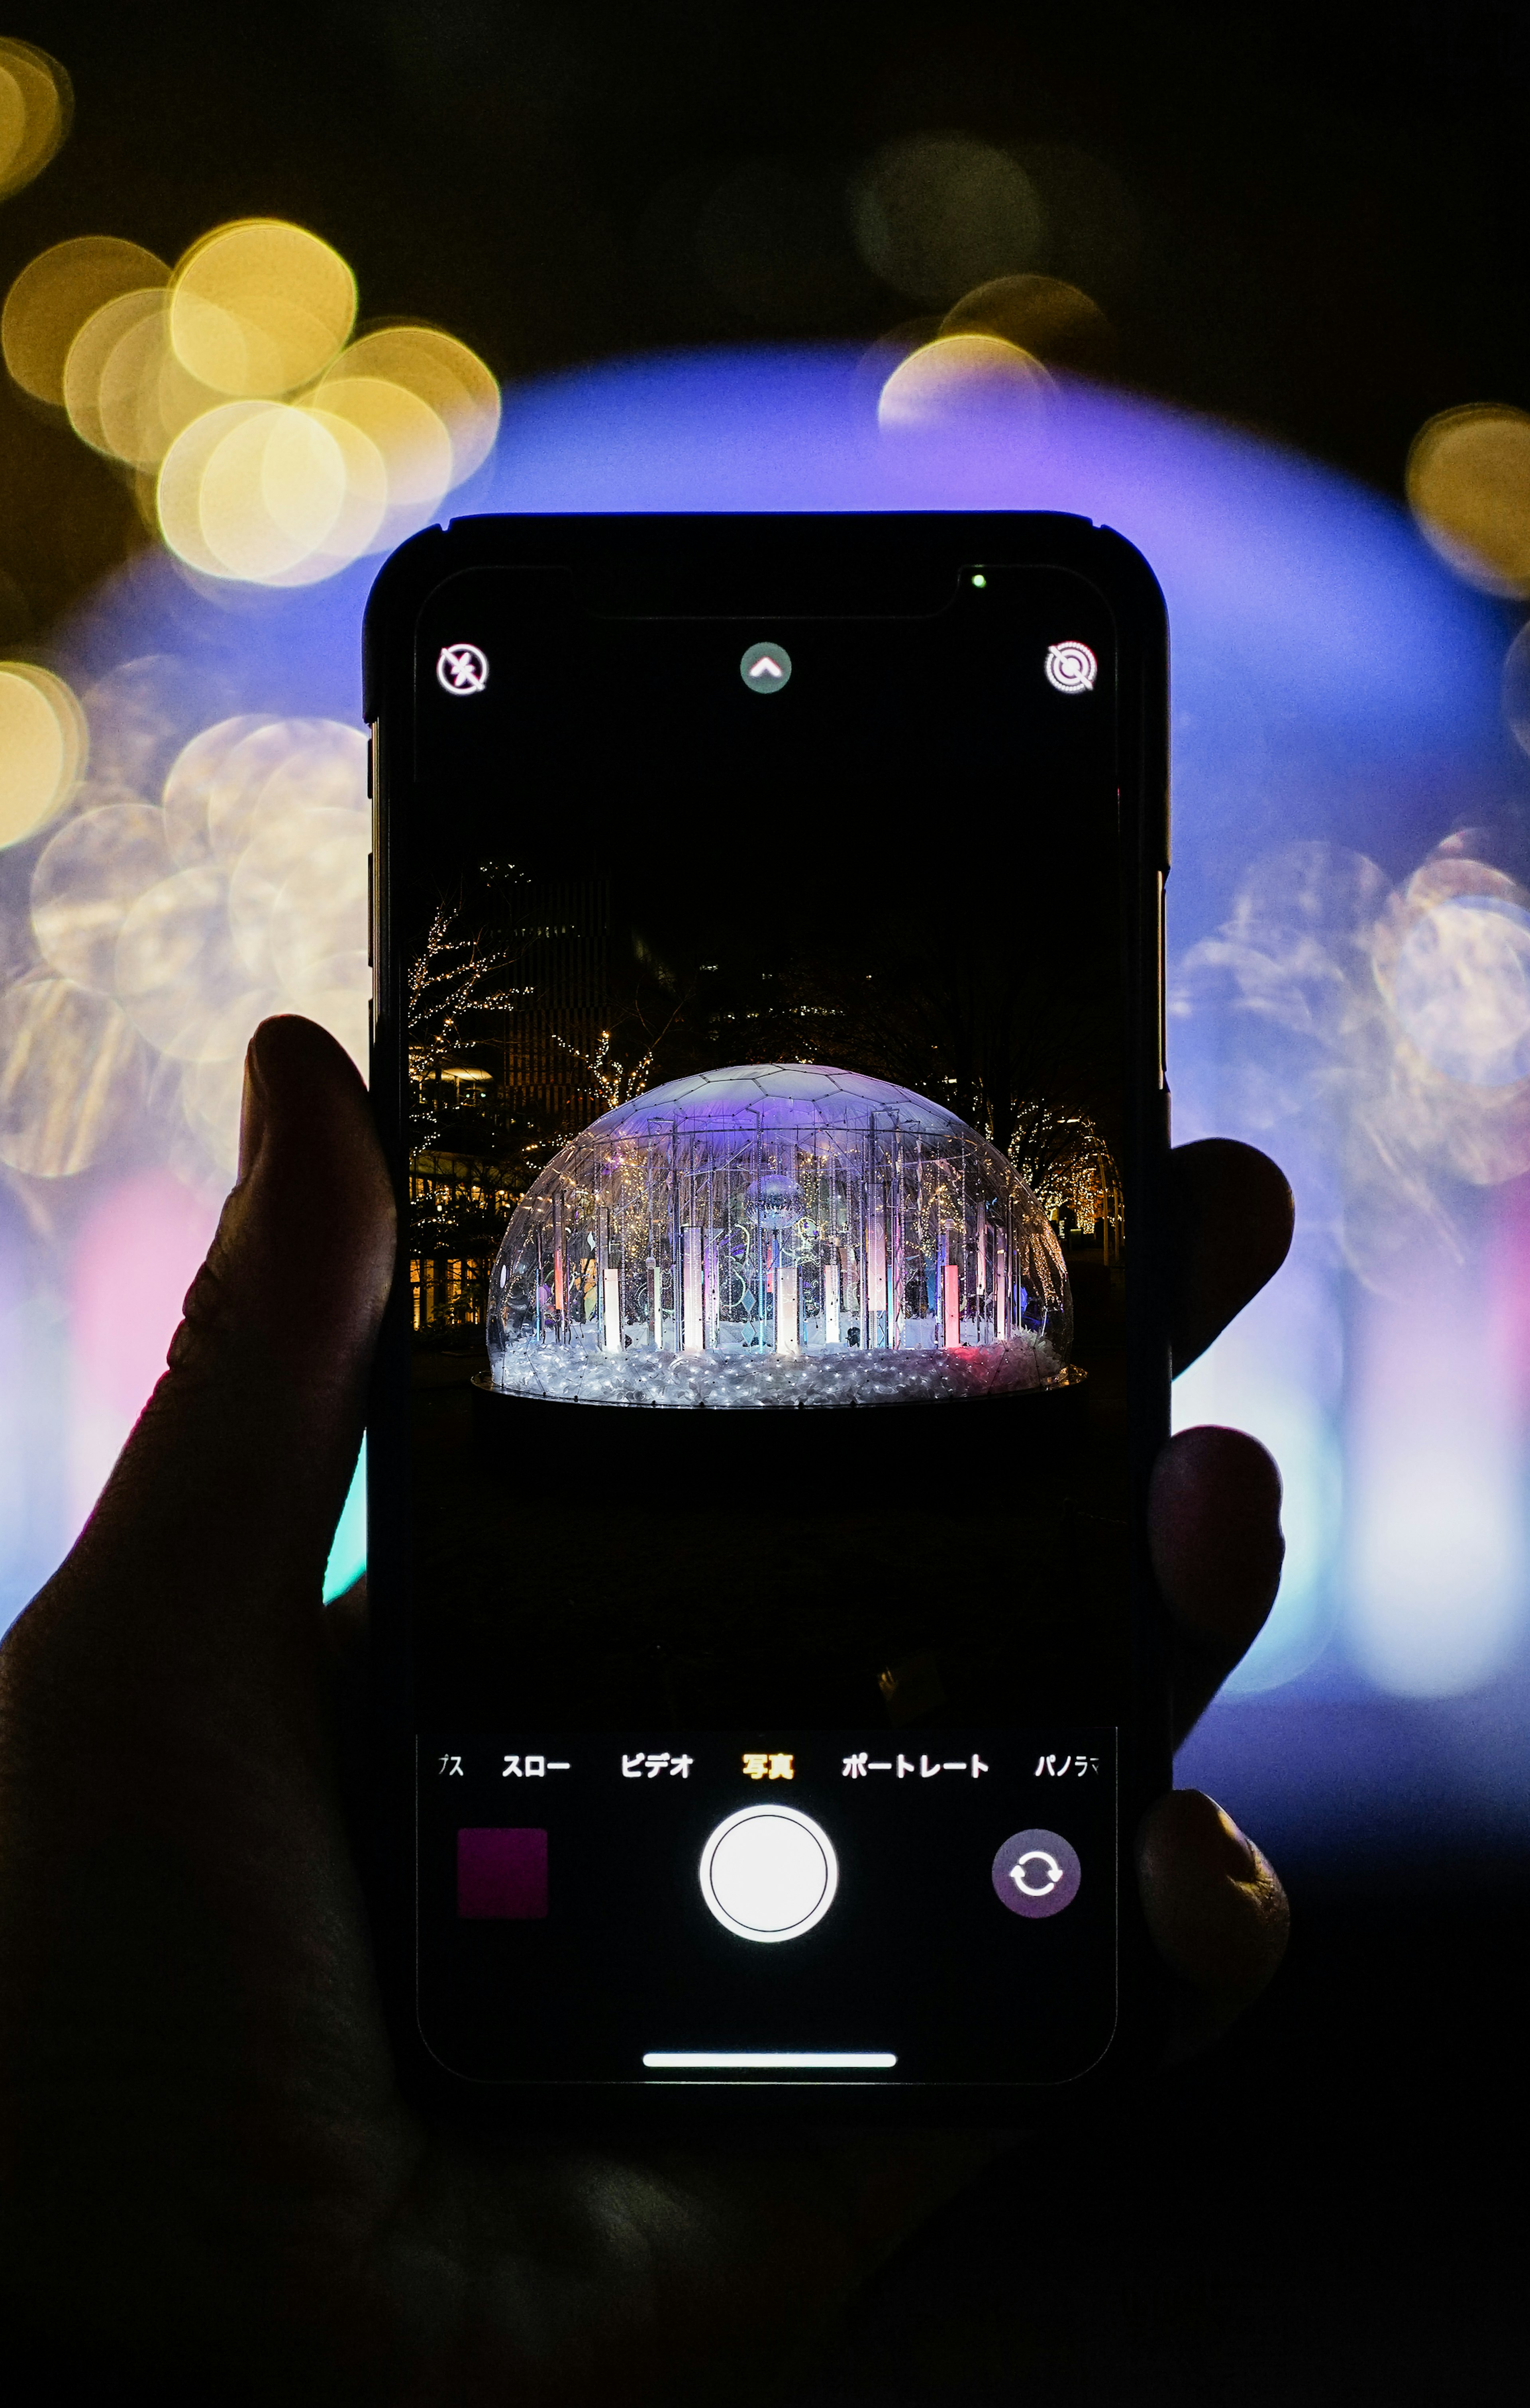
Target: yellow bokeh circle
x,y
42,748
437,369
269,493
35,106
260,308
56,294
266,447
178,494
363,503
408,436
107,381
955,373
1469,486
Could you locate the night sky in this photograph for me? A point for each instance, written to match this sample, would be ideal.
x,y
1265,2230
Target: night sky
x,y
1311,220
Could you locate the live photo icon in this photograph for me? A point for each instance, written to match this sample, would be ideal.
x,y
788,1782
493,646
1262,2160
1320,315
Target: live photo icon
x,y
765,668
501,1876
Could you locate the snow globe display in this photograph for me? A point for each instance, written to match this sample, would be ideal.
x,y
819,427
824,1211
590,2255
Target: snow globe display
x,y
778,1234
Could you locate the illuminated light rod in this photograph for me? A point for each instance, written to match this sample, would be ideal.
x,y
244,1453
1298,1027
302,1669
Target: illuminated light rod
x,y
769,2060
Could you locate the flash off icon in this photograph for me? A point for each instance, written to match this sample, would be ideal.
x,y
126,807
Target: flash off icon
x,y
463,668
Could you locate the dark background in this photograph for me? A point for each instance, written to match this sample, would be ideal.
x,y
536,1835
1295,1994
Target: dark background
x,y
1316,222
748,836
1313,220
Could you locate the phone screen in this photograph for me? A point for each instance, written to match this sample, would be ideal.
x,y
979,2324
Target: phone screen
x,y
761,988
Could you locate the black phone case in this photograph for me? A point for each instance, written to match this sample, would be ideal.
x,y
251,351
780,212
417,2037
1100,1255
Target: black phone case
x,y
784,564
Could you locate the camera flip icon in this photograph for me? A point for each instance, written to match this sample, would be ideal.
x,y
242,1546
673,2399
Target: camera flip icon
x,y
1037,1874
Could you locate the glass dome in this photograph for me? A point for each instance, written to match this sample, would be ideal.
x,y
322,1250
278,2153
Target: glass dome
x,y
778,1234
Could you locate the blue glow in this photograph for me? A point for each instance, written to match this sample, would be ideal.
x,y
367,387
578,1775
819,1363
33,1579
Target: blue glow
x,y
1333,684
348,1555
1330,676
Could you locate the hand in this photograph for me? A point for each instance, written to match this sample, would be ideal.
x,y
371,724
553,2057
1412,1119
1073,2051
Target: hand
x,y
206,2173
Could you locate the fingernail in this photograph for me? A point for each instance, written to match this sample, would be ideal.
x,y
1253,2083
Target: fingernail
x,y
1197,1829
1233,1852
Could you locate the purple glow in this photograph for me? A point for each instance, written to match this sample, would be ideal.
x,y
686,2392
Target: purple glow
x,y
134,1260
1239,533
1330,681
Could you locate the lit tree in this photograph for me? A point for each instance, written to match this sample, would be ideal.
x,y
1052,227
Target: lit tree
x,y
1068,1166
453,977
613,1081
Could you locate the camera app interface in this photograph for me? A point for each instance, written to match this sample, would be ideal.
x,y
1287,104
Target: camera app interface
x,y
767,1238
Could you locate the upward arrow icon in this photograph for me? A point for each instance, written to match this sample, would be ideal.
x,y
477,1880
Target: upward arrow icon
x,y
765,668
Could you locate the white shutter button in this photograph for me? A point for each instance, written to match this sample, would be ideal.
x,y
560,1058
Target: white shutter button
x,y
769,1872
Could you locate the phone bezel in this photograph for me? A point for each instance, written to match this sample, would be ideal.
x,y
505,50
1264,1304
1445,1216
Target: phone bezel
x,y
768,563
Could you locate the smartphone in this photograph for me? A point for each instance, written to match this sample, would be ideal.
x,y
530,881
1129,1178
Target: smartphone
x,y
767,1042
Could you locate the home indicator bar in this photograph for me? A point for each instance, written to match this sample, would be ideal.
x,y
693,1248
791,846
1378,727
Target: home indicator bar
x,y
769,2060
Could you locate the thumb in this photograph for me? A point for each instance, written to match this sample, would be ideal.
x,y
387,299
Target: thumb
x,y
186,2016
227,1492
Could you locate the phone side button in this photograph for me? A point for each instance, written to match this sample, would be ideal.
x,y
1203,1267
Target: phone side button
x,y
369,949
